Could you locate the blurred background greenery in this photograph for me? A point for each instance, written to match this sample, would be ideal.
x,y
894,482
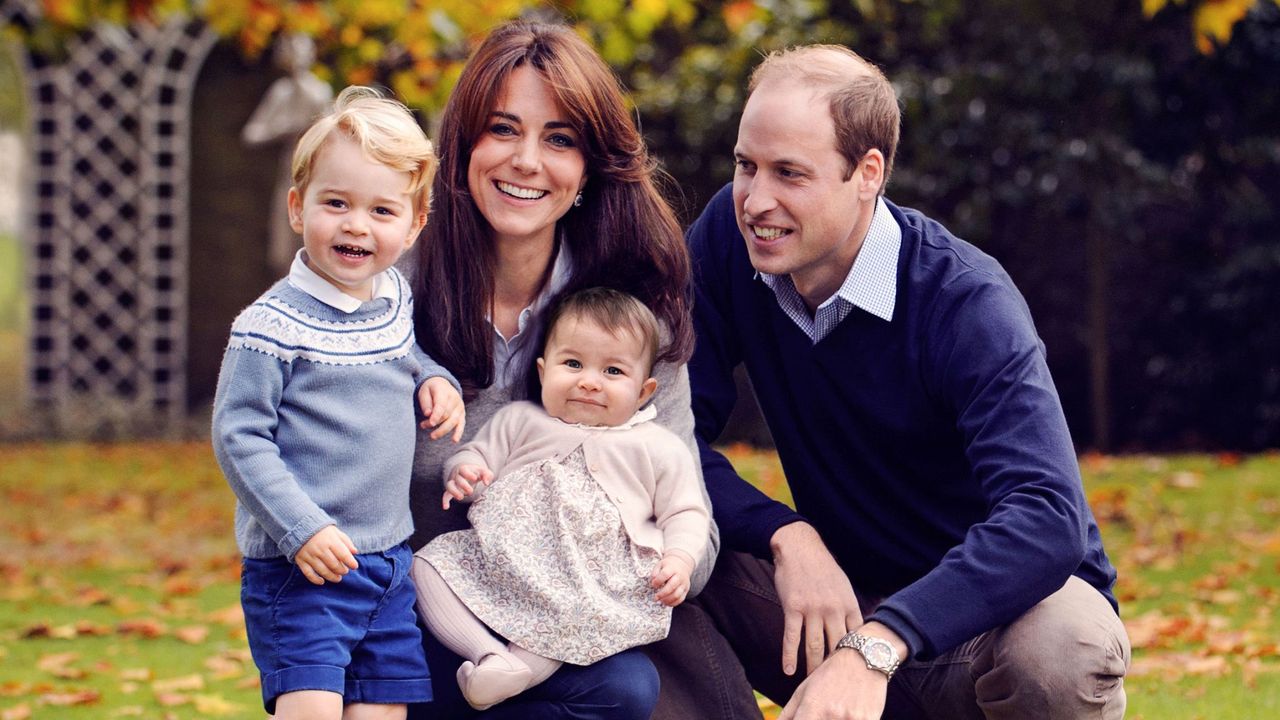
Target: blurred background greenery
x,y
1121,158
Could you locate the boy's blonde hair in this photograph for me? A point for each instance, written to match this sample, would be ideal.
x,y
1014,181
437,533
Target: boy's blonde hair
x,y
616,312
385,131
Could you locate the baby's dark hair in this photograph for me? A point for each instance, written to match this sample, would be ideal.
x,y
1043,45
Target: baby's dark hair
x,y
612,310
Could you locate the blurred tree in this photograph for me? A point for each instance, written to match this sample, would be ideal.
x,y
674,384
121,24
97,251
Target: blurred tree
x,y
11,102
1212,21
1121,158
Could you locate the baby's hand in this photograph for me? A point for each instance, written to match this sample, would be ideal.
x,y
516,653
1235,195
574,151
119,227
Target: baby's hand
x,y
463,480
328,555
442,407
671,577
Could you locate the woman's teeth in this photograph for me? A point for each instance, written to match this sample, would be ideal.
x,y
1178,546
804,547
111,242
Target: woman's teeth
x,y
522,193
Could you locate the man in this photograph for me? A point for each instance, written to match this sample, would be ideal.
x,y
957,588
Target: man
x,y
942,561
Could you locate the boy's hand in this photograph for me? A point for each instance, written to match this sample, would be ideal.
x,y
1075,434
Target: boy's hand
x,y
671,578
328,555
442,407
462,482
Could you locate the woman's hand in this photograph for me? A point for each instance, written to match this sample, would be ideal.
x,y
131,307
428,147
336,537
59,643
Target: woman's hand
x,y
463,480
442,408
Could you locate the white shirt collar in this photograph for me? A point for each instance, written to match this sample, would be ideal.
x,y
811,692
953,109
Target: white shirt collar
x,y
872,282
308,281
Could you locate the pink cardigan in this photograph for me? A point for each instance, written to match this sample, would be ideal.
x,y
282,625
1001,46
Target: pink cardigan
x,y
645,469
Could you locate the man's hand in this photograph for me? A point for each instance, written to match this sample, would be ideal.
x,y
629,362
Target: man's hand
x,y
817,599
328,555
463,481
844,688
442,408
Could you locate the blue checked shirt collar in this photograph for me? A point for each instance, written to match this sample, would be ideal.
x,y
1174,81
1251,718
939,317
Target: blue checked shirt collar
x,y
506,372
872,282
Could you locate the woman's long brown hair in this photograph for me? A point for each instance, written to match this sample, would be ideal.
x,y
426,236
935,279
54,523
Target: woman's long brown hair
x,y
624,235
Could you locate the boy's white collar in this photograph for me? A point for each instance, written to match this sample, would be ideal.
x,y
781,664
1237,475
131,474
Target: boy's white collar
x,y
308,281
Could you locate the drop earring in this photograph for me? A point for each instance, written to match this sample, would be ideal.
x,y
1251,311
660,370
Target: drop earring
x,y
577,201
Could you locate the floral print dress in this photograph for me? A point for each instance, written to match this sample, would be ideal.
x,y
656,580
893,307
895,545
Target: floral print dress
x,y
548,565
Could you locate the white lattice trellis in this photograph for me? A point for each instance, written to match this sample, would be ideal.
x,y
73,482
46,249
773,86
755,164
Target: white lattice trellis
x,y
109,158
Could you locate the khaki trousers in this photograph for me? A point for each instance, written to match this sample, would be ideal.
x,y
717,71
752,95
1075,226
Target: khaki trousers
x,y
1064,658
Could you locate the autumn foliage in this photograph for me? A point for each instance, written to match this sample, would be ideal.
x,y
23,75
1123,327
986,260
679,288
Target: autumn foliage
x,y
418,46
119,581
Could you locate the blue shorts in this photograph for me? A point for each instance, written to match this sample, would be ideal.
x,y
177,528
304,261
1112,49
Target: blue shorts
x,y
358,638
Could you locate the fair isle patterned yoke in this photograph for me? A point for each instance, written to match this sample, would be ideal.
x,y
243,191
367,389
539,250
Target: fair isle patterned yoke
x,y
285,323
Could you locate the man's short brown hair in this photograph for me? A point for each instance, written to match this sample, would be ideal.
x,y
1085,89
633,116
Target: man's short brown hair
x,y
863,104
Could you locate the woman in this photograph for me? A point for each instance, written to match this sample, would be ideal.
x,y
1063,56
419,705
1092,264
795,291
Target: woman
x,y
545,187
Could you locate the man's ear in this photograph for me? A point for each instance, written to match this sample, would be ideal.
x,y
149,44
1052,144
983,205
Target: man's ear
x,y
870,174
295,210
646,391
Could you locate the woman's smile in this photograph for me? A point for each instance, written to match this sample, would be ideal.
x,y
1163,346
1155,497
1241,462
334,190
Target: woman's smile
x,y
526,167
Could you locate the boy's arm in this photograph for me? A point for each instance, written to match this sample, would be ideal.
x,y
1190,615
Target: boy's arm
x,y
250,386
430,368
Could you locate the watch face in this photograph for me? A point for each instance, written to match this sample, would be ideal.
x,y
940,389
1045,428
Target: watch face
x,y
878,653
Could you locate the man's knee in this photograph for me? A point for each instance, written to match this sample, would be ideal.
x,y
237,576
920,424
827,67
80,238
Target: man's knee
x,y
1064,657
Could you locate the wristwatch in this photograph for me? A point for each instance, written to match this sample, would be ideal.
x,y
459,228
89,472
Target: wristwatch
x,y
878,653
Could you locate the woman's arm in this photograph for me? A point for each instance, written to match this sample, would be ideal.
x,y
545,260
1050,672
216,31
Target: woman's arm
x,y
674,413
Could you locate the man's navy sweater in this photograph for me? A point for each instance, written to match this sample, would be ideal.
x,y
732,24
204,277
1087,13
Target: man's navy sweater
x,y
930,451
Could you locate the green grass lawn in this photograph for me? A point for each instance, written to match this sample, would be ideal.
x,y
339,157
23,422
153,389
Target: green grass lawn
x,y
119,581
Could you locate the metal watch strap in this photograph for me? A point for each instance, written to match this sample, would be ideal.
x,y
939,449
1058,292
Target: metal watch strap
x,y
859,642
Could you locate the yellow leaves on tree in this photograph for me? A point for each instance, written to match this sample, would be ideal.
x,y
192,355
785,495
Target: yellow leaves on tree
x,y
1212,20
416,46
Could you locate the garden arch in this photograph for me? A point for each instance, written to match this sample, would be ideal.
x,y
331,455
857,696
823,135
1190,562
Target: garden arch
x,y
110,126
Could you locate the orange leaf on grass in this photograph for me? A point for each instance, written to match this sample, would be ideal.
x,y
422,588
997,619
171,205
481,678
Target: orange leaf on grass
x,y
178,684
216,705
192,634
167,699
21,711
86,596
146,628
84,628
39,630
250,683
181,585
75,697
224,668
232,615
13,688
59,665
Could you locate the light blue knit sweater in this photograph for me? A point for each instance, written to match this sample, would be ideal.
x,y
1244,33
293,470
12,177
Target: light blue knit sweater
x,y
314,419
